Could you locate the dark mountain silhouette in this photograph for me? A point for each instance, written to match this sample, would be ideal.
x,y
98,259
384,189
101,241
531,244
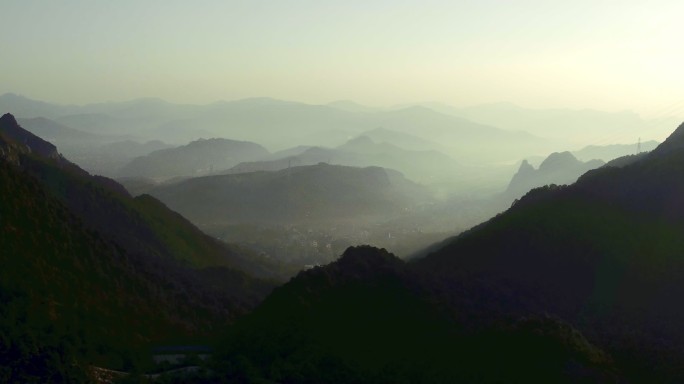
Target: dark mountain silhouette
x,y
672,144
98,273
198,158
626,160
141,223
319,192
603,253
557,168
12,133
366,319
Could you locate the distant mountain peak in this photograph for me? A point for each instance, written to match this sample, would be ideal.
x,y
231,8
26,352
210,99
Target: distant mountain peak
x,y
525,168
557,168
558,160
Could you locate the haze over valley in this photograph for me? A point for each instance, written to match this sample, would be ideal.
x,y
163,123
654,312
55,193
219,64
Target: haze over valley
x,y
244,190
341,192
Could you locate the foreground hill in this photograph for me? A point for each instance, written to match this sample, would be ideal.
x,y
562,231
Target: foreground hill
x,y
319,192
366,318
90,273
604,253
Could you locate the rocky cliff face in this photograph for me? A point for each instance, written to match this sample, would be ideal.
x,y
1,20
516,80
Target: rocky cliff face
x,y
557,168
12,133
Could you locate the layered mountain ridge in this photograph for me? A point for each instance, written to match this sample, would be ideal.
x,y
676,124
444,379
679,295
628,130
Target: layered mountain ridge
x,y
112,273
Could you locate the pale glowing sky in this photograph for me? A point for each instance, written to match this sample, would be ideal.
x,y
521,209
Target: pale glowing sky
x,y
610,55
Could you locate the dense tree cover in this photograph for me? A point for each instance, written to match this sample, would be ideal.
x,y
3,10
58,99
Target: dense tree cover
x,y
366,319
92,276
604,254
33,349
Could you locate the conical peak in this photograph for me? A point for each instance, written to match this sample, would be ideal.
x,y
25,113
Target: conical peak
x,y
8,120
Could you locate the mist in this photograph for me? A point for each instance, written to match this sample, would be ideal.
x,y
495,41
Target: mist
x,y
299,183
326,192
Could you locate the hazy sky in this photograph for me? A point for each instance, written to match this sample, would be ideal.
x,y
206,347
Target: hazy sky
x,y
609,55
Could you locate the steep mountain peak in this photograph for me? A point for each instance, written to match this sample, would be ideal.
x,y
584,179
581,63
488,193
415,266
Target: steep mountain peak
x,y
525,167
520,181
11,131
558,168
8,119
558,160
674,141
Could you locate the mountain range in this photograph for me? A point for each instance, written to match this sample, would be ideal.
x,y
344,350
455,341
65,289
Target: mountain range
x,y
424,166
273,123
571,126
576,283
